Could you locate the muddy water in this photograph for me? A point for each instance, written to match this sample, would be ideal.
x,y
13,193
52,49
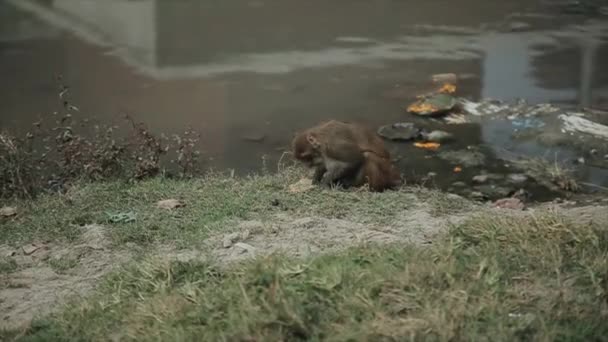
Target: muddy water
x,y
247,74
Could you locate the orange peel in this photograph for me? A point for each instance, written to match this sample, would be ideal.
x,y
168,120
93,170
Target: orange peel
x,y
427,145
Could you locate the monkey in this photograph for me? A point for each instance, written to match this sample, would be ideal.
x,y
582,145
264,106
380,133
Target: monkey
x,y
346,153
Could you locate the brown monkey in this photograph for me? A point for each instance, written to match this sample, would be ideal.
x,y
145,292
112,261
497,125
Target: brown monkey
x,y
346,153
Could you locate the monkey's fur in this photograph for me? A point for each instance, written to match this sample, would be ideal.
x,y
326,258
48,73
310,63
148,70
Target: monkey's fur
x,y
346,153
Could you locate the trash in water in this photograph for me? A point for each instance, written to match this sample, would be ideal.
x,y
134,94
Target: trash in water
x,y
457,169
486,107
526,123
437,136
435,104
450,78
427,145
455,119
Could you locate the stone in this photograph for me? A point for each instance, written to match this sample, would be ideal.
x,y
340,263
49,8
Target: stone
x,y
477,195
466,158
245,247
509,203
302,185
8,211
517,178
230,239
169,204
30,249
459,184
518,26
492,191
480,179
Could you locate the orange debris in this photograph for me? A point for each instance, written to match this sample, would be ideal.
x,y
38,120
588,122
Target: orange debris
x,y
421,108
447,88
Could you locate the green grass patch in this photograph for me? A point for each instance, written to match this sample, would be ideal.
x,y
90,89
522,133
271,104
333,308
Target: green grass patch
x,y
129,210
540,278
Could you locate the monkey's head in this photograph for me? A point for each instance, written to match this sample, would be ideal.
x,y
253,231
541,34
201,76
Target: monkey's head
x,y
306,148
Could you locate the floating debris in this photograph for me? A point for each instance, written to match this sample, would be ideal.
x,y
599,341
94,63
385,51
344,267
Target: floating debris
x,y
433,105
455,119
574,122
447,89
486,107
447,78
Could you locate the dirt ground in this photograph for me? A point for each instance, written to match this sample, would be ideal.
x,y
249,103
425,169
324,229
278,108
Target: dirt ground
x,y
37,288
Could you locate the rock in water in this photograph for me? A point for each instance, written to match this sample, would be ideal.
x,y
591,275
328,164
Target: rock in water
x,y
480,179
517,178
466,158
403,131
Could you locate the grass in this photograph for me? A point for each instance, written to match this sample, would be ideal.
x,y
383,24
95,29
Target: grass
x,y
541,278
7,265
63,264
212,202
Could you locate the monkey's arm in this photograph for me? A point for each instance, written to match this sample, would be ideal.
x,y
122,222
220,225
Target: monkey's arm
x,y
341,158
318,175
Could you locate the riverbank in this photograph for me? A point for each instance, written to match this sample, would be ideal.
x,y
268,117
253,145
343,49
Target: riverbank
x,y
258,258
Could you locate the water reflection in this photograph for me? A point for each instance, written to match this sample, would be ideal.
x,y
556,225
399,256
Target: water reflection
x,y
262,69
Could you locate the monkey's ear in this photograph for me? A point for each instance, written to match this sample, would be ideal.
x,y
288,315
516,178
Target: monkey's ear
x,y
313,141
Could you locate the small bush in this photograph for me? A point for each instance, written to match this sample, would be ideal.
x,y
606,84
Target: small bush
x,y
76,148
